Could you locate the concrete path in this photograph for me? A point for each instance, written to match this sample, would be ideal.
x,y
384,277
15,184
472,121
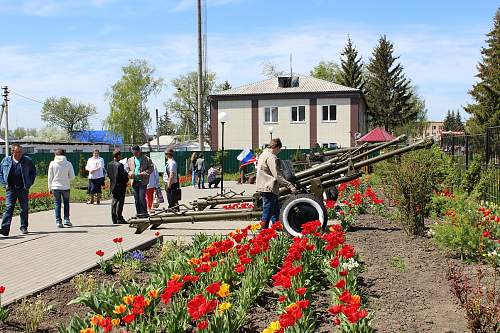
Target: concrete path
x,y
47,255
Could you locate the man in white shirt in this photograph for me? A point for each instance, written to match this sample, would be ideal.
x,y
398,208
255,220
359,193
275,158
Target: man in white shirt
x,y
95,167
60,175
171,180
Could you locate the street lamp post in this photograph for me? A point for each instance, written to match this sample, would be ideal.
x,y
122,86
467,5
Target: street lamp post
x,y
271,130
222,118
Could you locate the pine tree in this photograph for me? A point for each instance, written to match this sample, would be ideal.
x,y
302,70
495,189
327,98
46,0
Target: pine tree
x,y
351,72
486,93
226,85
389,93
459,125
449,122
165,125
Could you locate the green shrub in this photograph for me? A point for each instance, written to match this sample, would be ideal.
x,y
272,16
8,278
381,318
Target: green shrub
x,y
410,181
472,175
459,232
489,178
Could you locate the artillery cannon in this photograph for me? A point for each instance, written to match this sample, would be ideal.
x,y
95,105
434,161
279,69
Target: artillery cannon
x,y
313,184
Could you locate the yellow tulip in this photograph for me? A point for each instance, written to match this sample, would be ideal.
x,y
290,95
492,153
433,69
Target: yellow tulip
x,y
223,290
96,320
255,227
275,326
115,322
119,309
224,306
87,330
129,299
153,293
175,277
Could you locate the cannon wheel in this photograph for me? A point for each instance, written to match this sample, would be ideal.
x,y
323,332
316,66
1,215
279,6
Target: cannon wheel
x,y
299,209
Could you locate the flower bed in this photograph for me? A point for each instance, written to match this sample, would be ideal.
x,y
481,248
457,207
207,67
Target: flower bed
x,y
37,202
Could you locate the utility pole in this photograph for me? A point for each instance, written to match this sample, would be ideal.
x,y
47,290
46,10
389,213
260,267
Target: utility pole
x,y
157,132
201,140
5,109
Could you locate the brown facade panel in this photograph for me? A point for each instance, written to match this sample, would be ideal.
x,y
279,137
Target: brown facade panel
x,y
214,124
313,122
255,123
354,119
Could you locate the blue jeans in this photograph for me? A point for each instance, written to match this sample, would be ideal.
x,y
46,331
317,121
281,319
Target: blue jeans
x,y
193,177
60,197
141,207
201,178
11,196
270,208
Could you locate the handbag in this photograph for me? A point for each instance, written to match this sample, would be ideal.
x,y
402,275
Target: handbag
x,y
177,194
159,195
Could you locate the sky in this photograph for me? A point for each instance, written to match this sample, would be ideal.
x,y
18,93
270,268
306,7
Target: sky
x,y
76,48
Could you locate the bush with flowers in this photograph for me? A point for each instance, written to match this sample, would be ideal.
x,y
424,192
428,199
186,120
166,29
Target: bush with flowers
x,y
355,197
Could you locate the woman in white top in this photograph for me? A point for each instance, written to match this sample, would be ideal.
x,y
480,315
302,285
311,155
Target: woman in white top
x,y
95,167
153,184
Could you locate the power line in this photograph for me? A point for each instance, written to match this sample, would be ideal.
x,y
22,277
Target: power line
x,y
26,97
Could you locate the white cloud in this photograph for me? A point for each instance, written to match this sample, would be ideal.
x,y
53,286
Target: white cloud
x,y
442,64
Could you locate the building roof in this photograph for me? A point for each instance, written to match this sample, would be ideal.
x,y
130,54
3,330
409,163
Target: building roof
x,y
307,84
165,140
107,137
377,135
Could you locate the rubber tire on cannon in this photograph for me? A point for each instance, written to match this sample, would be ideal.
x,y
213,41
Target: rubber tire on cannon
x,y
299,209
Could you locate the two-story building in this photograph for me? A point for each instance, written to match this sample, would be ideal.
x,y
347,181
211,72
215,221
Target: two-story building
x,y
303,111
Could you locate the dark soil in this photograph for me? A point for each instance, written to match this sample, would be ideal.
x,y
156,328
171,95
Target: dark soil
x,y
405,279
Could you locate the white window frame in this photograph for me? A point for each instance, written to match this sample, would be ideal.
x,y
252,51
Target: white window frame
x,y
329,121
271,115
298,114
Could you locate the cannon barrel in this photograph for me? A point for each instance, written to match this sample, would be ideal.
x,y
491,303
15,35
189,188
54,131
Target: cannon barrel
x,y
339,151
337,172
203,203
336,162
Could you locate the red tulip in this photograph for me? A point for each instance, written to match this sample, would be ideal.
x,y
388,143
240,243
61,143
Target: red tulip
x,y
202,325
340,284
301,291
118,240
486,234
157,234
100,253
2,289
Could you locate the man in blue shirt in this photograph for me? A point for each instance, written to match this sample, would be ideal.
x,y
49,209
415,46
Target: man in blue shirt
x,y
17,174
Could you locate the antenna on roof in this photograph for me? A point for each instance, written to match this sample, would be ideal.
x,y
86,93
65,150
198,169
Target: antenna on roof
x,y
291,71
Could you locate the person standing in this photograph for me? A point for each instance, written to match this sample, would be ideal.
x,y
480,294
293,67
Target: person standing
x,y
194,172
17,174
269,179
200,171
118,181
153,184
95,167
140,168
171,180
61,173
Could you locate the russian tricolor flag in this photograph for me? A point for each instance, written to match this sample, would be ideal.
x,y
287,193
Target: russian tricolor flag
x,y
246,157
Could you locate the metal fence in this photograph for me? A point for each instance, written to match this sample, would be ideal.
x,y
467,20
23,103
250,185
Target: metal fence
x,y
231,164
463,148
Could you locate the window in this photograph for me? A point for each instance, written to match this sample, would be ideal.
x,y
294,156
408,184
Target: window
x,y
329,112
271,114
331,145
298,114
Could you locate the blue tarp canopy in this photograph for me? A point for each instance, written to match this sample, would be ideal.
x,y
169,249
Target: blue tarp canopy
x,y
98,136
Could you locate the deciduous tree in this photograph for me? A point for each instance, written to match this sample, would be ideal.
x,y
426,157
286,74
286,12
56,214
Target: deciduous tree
x,y
326,70
67,115
129,115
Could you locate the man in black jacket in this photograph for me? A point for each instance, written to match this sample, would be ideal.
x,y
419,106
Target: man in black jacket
x,y
118,180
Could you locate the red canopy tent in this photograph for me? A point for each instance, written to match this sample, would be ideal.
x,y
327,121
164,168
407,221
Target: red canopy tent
x,y
377,135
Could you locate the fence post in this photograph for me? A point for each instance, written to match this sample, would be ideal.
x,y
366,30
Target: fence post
x,y
453,147
466,152
487,146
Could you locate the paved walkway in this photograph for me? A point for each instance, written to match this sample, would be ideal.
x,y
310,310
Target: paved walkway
x,y
47,255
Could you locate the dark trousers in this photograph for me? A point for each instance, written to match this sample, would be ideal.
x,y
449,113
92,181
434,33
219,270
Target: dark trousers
x,y
117,202
12,195
61,197
214,182
201,178
141,207
171,195
270,208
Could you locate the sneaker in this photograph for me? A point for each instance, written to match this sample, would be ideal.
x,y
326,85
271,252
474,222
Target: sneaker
x,y
60,225
4,232
24,231
67,223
